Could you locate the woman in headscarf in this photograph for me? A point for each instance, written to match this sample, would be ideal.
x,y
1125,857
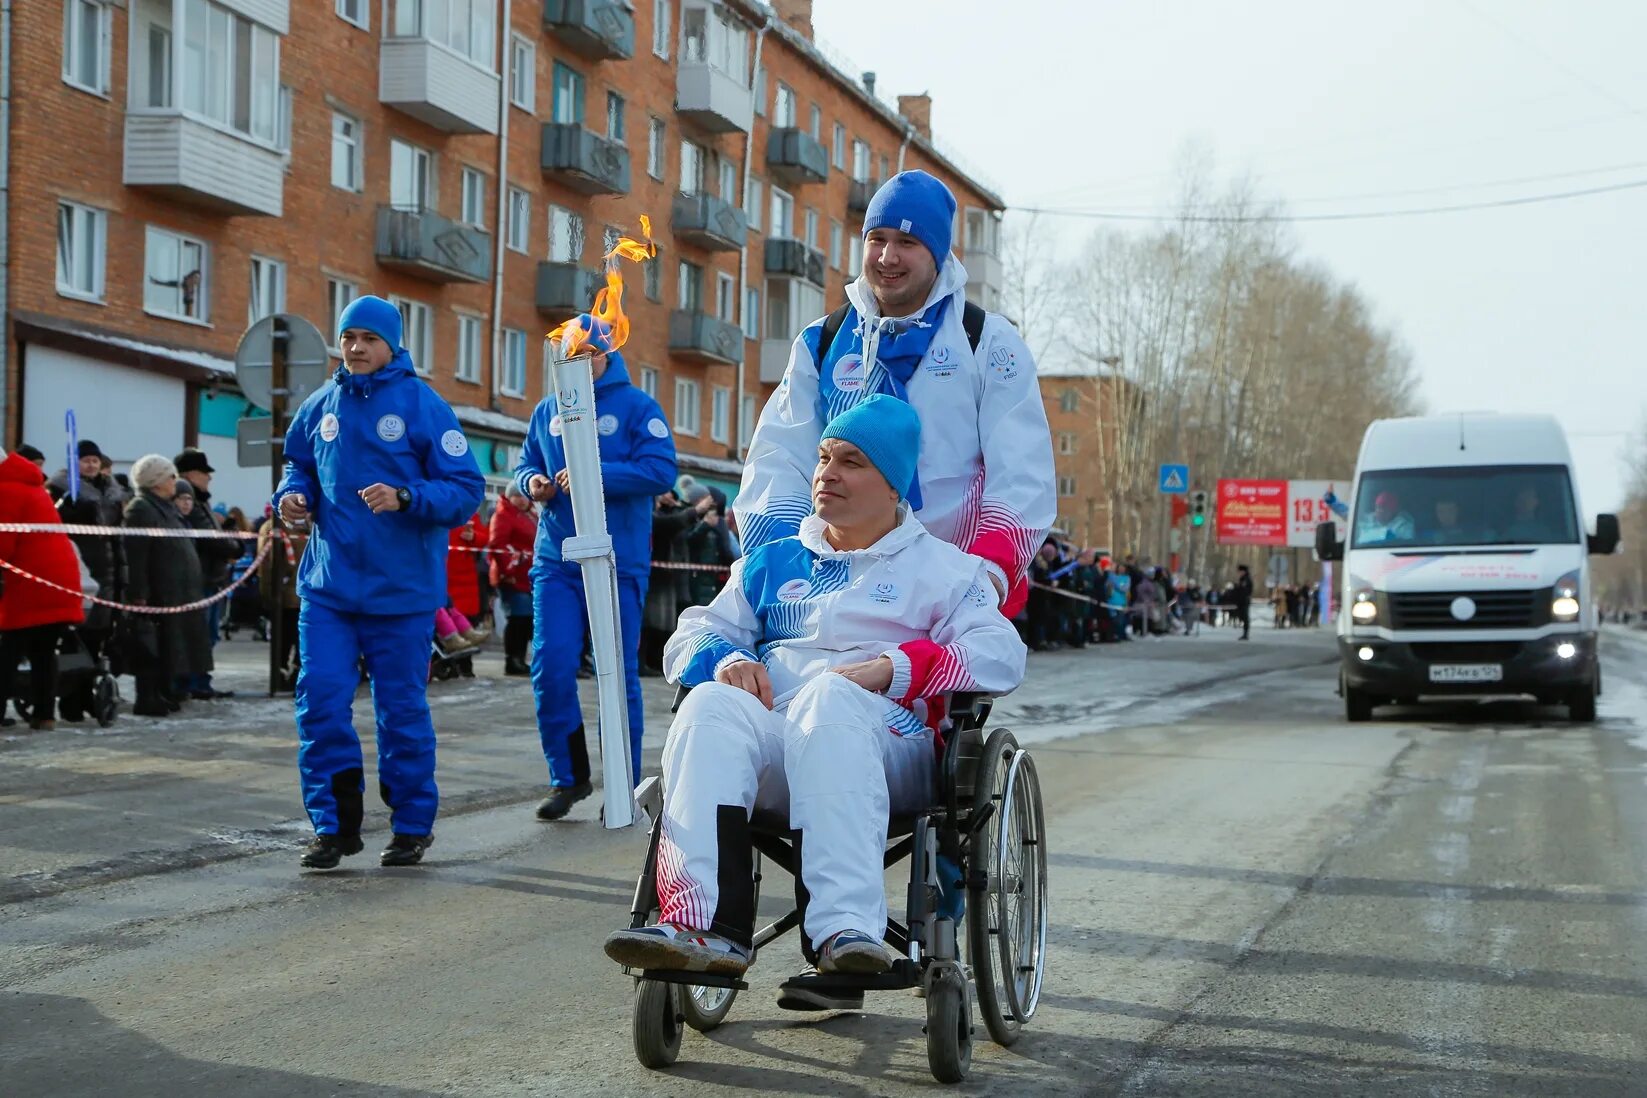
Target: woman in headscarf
x,y
163,571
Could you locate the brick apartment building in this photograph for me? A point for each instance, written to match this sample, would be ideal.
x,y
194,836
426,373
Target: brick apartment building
x,y
1081,411
208,162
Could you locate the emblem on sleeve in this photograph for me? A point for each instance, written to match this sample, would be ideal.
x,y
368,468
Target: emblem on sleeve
x,y
658,427
454,443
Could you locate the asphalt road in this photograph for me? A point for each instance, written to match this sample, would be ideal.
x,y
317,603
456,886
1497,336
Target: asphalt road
x,y
1250,897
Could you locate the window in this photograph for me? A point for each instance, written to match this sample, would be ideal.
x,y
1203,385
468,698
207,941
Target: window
x,y
760,93
473,198
854,255
565,235
712,36
752,203
151,55
1069,401
468,348
416,332
783,215
983,232
346,159
751,313
838,148
268,290
726,296
691,168
656,135
649,381
519,233
464,26
1066,486
860,161
886,169
690,293
82,242
339,293
836,231
409,177
652,279
720,414
568,104
729,181
609,237
523,71
230,71
811,223
816,126
513,381
615,130
1066,442
783,106
86,45
777,309
746,422
687,412
175,278
283,125
355,11
662,19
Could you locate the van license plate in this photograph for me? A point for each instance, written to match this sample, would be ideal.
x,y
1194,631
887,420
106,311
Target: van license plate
x,y
1466,672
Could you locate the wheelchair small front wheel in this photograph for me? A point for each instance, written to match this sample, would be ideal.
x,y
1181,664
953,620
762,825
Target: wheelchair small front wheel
x,y
704,1008
656,1024
948,1030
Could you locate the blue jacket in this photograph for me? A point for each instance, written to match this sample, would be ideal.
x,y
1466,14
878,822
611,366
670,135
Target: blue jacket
x,y
390,428
637,464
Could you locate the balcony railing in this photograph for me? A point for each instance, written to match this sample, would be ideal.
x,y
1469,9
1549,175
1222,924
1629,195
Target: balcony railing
x,y
794,259
437,85
423,243
795,157
699,337
584,160
566,289
601,30
713,100
858,194
706,221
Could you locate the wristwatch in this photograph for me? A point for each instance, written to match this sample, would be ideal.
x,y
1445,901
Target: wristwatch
x,y
404,496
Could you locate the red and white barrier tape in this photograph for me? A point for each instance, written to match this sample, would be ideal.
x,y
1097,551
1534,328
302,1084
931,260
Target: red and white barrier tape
x,y
198,604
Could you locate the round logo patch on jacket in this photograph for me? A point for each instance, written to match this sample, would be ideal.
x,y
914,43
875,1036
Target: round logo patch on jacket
x,y
607,424
328,427
391,428
884,593
848,374
454,443
658,427
794,591
554,426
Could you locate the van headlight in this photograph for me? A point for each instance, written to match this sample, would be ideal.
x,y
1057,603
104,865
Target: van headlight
x,y
1363,604
1564,598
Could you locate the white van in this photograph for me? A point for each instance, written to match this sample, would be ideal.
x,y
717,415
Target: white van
x,y
1467,566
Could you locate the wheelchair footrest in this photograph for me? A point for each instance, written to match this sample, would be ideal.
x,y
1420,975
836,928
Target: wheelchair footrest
x,y
693,979
904,974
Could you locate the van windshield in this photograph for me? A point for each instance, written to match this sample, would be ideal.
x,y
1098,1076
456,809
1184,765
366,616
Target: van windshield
x,y
1474,505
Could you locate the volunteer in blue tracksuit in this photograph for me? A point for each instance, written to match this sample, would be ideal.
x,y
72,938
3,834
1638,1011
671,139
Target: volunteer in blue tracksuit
x,y
637,464
377,462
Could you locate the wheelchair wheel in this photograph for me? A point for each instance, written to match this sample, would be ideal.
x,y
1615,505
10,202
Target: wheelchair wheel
x,y
656,1024
704,1008
948,1030
1007,923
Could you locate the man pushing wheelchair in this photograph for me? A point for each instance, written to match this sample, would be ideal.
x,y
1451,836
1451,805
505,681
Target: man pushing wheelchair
x,y
812,673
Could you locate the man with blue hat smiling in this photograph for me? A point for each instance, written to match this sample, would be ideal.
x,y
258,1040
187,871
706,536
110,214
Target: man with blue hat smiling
x,y
376,462
637,464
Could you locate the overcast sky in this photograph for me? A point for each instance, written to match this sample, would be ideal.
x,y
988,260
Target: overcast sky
x,y
1333,108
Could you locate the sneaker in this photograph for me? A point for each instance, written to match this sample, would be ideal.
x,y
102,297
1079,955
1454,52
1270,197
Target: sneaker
x,y
325,851
854,952
406,849
815,999
678,949
452,642
562,798
476,637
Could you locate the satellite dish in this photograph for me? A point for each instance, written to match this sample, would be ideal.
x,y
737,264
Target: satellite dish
x,y
308,362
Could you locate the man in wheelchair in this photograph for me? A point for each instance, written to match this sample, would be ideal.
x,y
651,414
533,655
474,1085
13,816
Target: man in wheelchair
x,y
813,670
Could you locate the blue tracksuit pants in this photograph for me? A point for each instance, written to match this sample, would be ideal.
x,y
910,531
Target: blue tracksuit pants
x,y
396,650
560,618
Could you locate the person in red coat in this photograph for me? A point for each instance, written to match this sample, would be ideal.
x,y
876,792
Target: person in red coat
x,y
514,532
462,581
33,615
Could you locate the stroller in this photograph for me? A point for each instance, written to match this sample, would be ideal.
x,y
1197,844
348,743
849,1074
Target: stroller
x,y
85,683
246,609
444,665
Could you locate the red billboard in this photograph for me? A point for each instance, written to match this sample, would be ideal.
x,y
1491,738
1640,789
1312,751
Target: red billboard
x,y
1252,512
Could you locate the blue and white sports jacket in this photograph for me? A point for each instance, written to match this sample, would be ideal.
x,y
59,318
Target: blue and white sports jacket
x,y
801,607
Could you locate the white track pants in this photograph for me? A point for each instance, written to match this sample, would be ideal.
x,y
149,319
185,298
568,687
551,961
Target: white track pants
x,y
830,761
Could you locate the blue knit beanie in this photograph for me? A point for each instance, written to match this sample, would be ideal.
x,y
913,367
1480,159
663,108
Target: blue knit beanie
x,y
916,203
375,315
598,332
888,431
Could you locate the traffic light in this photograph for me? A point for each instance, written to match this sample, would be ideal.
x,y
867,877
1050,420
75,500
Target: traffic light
x,y
1198,507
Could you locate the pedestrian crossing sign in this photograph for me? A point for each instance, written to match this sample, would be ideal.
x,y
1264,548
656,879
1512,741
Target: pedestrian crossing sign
x,y
1175,479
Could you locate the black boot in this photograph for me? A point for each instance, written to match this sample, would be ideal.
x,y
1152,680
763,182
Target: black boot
x,y
517,638
561,799
406,849
327,850
579,747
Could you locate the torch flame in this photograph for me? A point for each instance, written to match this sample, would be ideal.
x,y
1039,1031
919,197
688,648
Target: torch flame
x,y
607,309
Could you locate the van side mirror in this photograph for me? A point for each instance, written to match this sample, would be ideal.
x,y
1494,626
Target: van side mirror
x,y
1327,543
1604,541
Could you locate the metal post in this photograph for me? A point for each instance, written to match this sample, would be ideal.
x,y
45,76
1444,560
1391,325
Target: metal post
x,y
277,468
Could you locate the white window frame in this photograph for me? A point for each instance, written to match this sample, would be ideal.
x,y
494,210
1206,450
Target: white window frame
x,y
206,89
657,145
339,292
363,20
815,123
748,414
268,280
512,364
423,178
811,223
1069,401
854,254
617,117
751,312
726,297
523,73
652,280
469,329
689,285
518,237
861,156
784,107
727,170
1066,442
1066,487
575,244
688,398
752,201
720,414
693,156
649,381
82,219
470,31
203,297
782,227
472,197
759,86
354,143
663,21
71,43
838,147
837,234
417,323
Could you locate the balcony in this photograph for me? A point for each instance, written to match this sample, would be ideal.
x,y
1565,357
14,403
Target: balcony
x,y
705,221
198,163
699,337
984,276
793,259
600,30
583,160
566,289
425,244
713,100
858,194
796,158
437,85
775,359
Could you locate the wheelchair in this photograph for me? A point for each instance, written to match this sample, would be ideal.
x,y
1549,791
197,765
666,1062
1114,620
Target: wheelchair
x,y
986,819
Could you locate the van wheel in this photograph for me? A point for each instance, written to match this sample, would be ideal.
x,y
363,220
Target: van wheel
x,y
1581,708
1358,704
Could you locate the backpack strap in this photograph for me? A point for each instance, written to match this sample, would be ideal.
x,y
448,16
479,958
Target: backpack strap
x,y
972,319
826,338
